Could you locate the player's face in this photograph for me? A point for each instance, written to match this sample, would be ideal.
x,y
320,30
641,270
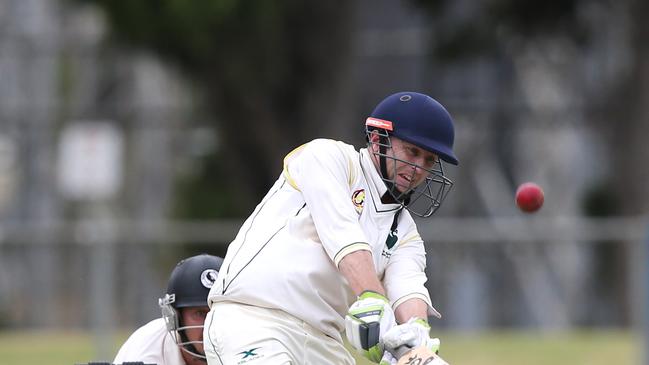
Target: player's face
x,y
409,167
194,316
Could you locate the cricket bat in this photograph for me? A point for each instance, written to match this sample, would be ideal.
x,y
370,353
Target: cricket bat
x,y
421,356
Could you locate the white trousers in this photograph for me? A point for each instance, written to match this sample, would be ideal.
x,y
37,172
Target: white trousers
x,y
237,334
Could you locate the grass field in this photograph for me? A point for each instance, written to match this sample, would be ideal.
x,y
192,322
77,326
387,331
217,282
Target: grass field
x,y
501,348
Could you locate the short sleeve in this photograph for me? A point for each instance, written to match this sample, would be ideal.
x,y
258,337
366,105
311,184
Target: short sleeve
x,y
322,170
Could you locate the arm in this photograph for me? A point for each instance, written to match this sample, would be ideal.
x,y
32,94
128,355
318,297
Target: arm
x,y
358,268
413,307
404,280
413,330
371,315
322,171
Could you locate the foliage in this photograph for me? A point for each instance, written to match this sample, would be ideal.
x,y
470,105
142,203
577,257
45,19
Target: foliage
x,y
260,63
484,28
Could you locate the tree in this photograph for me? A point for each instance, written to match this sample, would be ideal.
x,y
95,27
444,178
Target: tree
x,y
616,106
610,41
261,65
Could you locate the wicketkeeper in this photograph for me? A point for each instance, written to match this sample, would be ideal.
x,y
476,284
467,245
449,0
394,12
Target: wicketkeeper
x,y
177,337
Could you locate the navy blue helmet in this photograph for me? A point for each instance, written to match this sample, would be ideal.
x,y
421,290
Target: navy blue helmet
x,y
420,120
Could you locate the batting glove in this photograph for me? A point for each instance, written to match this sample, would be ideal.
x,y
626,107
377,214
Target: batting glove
x,y
366,321
388,359
404,337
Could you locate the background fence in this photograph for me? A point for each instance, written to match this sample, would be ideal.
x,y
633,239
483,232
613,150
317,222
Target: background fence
x,y
168,163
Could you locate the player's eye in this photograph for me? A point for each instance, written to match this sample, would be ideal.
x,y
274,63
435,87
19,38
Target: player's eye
x,y
200,314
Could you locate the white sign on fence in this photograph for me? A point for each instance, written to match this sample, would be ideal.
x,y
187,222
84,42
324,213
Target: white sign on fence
x,y
90,160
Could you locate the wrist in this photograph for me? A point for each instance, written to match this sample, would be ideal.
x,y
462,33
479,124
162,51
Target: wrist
x,y
372,294
421,322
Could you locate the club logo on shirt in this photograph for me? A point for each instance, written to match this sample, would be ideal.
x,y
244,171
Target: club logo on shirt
x,y
358,199
249,355
392,239
208,278
389,243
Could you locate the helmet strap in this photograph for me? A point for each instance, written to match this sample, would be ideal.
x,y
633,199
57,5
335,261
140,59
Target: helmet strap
x,y
393,195
398,197
384,168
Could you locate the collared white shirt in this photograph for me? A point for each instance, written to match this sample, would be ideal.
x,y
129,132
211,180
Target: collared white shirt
x,y
325,205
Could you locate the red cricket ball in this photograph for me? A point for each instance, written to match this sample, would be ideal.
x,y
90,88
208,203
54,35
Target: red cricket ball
x,y
529,197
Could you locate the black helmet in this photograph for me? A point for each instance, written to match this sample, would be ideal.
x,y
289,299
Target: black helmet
x,y
189,285
191,280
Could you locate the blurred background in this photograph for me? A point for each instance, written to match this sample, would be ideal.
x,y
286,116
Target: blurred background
x,y
136,133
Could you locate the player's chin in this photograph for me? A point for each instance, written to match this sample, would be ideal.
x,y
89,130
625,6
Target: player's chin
x,y
401,192
403,186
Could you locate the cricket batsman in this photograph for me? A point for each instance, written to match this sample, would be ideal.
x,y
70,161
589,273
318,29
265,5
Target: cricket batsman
x,y
333,248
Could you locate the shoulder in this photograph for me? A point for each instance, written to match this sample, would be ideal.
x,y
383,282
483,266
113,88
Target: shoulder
x,y
322,150
321,160
156,326
408,228
146,342
324,144
406,219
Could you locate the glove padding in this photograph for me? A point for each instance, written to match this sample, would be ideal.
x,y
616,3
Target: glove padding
x,y
404,337
365,323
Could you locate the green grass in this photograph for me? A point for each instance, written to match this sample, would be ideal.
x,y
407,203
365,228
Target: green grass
x,y
488,348
535,348
45,348
592,348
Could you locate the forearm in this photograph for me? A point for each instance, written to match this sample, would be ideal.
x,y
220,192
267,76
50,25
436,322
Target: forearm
x,y
414,307
413,330
358,268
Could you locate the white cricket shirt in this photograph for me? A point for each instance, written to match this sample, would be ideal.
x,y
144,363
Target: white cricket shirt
x,y
325,205
151,344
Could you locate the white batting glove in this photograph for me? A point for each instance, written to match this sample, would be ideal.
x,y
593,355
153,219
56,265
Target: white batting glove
x,y
366,321
404,337
388,359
